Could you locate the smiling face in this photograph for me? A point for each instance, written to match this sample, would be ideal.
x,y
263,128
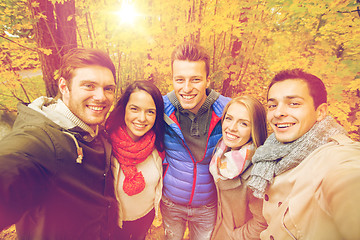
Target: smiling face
x,y
291,111
90,94
140,114
190,83
236,126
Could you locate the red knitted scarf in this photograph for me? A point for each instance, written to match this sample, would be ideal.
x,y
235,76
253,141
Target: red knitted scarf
x,y
130,153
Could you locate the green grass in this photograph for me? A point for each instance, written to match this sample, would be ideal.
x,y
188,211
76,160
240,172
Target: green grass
x,y
14,90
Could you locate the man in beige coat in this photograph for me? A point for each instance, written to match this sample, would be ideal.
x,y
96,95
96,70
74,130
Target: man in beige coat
x,y
308,170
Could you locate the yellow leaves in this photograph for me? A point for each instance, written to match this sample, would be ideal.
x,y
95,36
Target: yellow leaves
x,y
297,8
57,74
235,68
57,1
7,11
293,59
272,36
340,111
157,221
11,88
338,3
217,78
34,4
45,51
357,121
40,15
336,92
317,9
354,85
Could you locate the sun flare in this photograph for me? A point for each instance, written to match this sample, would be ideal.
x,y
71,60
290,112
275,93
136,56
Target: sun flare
x,y
127,13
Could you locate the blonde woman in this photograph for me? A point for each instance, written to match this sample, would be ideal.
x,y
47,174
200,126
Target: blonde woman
x,y
239,213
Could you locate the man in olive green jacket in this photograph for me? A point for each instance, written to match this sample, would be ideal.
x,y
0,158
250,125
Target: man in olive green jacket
x,y
55,179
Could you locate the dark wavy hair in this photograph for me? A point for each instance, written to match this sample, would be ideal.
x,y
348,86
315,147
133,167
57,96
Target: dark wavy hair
x,y
117,116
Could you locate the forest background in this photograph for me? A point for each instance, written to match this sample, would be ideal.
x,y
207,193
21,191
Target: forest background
x,y
248,40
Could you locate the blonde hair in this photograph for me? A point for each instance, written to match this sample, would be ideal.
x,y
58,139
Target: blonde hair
x,y
257,117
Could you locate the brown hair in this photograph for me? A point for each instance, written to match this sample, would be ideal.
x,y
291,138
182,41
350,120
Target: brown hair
x,y
84,57
316,87
191,52
117,116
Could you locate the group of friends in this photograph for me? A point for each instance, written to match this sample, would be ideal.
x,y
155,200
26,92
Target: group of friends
x,y
68,170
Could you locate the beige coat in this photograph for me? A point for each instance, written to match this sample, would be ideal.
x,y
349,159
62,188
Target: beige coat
x,y
158,191
239,213
320,198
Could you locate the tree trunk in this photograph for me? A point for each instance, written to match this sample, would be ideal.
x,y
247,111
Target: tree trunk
x,y
66,26
227,89
56,32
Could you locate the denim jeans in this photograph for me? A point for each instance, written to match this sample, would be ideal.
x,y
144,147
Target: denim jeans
x,y
201,220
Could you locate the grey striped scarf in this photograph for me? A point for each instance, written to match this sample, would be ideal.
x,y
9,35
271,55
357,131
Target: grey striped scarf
x,y
274,157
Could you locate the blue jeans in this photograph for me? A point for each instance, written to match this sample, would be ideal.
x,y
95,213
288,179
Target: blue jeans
x,y
201,220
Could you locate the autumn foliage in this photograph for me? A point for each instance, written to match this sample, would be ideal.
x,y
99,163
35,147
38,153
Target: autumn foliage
x,y
249,41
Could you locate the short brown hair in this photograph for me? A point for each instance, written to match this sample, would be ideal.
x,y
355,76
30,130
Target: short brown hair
x,y
191,52
84,57
315,85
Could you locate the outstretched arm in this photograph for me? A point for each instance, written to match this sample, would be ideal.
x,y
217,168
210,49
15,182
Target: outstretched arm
x,y
22,178
341,198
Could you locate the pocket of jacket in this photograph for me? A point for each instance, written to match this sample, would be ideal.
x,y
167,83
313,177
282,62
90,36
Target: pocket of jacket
x,y
288,224
229,183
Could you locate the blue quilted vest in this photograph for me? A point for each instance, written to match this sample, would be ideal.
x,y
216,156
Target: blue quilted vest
x,y
186,181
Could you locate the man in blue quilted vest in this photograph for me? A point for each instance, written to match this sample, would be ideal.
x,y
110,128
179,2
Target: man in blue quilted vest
x,y
193,127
